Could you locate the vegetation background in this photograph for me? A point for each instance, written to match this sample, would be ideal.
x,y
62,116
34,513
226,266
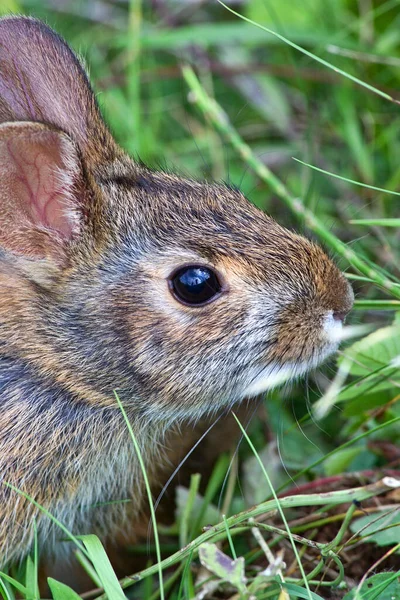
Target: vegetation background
x,y
284,104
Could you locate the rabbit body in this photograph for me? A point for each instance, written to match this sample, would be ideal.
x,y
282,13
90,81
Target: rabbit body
x,y
89,243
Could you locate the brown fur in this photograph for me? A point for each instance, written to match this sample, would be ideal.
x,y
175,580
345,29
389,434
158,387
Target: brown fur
x,y
88,240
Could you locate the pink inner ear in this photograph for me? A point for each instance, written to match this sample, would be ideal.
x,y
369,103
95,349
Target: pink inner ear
x,y
40,183
39,187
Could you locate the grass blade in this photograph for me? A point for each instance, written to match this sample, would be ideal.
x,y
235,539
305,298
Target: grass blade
x,y
31,581
18,586
5,592
365,185
103,567
60,591
148,490
379,222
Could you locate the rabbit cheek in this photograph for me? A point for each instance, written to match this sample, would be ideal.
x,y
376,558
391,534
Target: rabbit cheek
x,y
167,340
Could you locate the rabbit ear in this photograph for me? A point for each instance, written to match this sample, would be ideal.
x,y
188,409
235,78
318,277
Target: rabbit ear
x,y
41,80
43,192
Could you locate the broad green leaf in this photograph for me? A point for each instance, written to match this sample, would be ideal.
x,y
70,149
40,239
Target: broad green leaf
x,y
103,567
340,461
382,586
362,404
387,537
370,385
376,350
224,567
60,591
375,360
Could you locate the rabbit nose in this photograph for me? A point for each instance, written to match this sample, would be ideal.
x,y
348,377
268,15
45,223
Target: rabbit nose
x,y
343,303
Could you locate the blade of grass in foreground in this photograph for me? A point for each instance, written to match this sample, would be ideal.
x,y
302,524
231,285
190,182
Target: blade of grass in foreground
x,y
4,592
103,567
16,584
60,591
32,591
148,490
32,567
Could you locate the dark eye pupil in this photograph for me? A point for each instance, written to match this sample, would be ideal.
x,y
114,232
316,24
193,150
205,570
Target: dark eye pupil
x,y
195,285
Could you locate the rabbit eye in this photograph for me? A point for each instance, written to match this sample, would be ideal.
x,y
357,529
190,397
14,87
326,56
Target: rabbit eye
x,y
195,285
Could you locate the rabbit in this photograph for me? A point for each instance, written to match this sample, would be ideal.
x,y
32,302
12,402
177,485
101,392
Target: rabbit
x,y
179,295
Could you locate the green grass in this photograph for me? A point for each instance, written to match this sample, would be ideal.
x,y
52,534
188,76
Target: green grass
x,y
247,103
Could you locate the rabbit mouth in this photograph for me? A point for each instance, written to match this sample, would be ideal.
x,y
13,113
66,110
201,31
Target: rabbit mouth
x,y
270,376
333,327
